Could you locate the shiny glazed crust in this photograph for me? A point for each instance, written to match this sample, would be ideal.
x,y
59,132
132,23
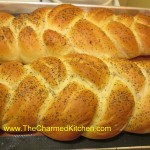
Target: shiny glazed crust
x,y
79,90
67,28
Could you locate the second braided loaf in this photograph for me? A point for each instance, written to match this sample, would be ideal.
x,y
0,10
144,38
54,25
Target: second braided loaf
x,y
76,89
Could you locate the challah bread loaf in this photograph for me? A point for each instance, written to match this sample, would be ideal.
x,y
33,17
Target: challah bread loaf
x,y
78,90
67,28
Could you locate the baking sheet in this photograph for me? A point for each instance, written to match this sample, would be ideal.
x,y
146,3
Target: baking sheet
x,y
122,141
29,141
28,7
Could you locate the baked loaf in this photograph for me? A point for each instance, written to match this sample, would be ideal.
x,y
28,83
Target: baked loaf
x,y
67,28
79,90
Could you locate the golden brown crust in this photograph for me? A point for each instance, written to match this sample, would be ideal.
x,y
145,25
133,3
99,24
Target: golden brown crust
x,y
94,40
20,21
3,100
90,68
27,100
143,19
63,15
75,106
11,72
77,90
100,16
140,123
125,19
56,44
123,35
143,33
7,47
5,19
51,69
29,43
129,71
118,109
67,28
38,17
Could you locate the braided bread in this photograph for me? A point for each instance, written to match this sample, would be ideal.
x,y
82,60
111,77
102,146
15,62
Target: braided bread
x,y
79,90
67,28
